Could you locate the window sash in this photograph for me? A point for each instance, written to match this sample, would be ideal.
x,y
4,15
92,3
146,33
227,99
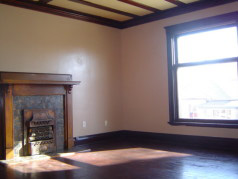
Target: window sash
x,y
191,94
175,44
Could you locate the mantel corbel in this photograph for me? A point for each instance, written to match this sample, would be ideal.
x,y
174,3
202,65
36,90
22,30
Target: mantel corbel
x,y
68,89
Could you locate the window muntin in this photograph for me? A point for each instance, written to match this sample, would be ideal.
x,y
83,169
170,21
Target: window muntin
x,y
209,45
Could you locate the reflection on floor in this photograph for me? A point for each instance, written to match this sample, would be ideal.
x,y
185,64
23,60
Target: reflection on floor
x,y
124,160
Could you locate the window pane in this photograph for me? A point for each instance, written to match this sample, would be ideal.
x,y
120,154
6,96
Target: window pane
x,y
209,45
208,91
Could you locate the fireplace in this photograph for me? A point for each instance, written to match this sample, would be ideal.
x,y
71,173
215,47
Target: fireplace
x,y
34,108
39,128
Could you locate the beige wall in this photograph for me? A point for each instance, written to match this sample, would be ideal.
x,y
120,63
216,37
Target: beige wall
x,y
32,41
145,82
99,57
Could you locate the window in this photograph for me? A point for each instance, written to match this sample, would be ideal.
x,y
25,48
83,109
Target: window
x,y
203,72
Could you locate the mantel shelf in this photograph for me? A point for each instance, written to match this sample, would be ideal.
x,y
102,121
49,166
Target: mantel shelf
x,y
38,82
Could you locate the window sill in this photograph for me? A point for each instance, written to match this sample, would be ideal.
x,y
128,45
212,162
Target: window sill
x,y
203,124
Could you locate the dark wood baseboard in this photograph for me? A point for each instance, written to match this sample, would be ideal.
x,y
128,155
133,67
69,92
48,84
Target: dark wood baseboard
x,y
82,140
198,142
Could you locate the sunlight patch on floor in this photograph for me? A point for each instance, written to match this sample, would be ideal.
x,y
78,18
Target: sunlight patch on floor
x,y
77,160
120,156
48,165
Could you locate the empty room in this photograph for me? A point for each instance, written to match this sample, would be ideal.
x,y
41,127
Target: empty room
x,y
104,89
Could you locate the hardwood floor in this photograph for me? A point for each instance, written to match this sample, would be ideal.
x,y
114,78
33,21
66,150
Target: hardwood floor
x,y
126,160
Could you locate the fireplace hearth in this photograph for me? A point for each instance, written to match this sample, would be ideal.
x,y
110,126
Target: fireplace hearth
x,y
34,107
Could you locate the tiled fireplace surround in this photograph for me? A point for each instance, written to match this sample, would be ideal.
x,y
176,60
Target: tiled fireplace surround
x,y
21,103
34,91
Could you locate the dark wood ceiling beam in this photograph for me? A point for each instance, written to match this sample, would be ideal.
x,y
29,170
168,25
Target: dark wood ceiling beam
x,y
140,5
198,5
176,2
104,8
51,9
44,1
29,4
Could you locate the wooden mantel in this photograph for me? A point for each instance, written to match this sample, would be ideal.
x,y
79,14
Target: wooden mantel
x,y
32,84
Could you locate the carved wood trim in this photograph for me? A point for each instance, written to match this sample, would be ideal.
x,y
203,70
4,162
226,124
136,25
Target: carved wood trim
x,y
38,82
8,105
69,88
69,143
32,90
2,125
16,84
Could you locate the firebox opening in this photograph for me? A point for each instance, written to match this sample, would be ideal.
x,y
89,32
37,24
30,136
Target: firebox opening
x,y
40,131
